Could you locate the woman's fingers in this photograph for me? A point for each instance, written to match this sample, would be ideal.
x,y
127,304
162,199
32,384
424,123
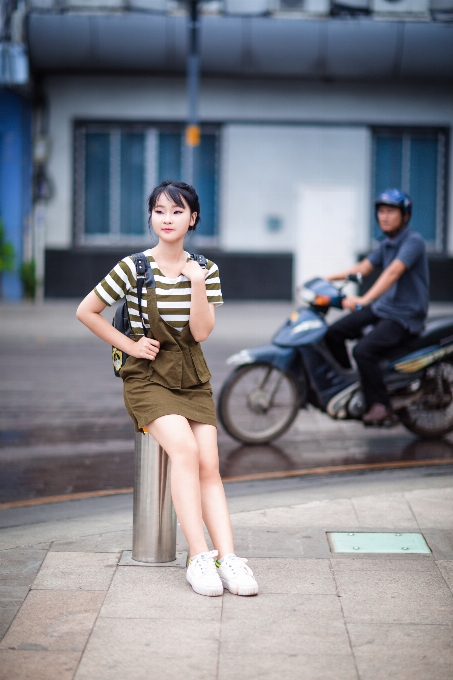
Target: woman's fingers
x,y
147,348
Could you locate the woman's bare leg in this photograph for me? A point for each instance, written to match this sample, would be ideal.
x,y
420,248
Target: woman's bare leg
x,y
176,437
213,502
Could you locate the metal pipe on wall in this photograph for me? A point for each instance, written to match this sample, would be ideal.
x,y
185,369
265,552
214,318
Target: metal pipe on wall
x,y
154,530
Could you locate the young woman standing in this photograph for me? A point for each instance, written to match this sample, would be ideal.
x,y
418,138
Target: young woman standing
x,y
166,380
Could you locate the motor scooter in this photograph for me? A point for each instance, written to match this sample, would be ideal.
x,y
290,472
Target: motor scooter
x,y
261,398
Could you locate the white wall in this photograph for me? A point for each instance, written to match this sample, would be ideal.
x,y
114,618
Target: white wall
x,y
345,110
271,170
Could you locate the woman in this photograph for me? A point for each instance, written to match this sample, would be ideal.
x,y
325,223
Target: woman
x,y
166,380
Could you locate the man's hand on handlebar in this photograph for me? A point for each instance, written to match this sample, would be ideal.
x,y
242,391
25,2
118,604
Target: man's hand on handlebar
x,y
353,303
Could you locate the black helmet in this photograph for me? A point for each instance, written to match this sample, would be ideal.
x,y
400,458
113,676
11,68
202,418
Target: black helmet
x,y
396,198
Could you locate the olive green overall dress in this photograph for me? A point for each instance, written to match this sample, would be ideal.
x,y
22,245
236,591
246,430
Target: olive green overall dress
x,y
176,382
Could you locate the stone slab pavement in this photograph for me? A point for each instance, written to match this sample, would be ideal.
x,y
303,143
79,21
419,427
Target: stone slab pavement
x,y
69,611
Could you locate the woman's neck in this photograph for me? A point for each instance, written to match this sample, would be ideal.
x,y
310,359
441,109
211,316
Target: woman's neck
x,y
170,257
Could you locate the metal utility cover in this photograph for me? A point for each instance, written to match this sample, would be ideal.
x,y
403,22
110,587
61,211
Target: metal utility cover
x,y
375,542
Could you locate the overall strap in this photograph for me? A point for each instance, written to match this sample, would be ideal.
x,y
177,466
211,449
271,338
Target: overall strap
x,y
198,258
144,276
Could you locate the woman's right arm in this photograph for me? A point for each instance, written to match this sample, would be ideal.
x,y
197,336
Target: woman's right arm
x,y
89,313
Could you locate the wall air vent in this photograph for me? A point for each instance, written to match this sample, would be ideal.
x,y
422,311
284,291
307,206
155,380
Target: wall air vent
x,y
250,7
313,7
400,7
350,7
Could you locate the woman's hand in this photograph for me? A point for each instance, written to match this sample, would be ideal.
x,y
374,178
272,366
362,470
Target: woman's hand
x,y
194,272
145,348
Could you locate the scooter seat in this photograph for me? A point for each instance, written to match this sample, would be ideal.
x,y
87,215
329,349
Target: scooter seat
x,y
435,330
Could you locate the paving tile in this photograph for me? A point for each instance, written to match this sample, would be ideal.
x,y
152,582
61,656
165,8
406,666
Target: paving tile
x,y
76,571
279,541
32,534
146,648
311,624
329,514
19,566
394,595
157,593
402,651
410,563
54,621
11,599
85,544
37,665
446,568
385,510
294,666
433,508
268,541
440,542
112,541
298,576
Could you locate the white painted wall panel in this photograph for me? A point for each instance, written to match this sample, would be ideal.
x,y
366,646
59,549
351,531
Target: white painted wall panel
x,y
265,170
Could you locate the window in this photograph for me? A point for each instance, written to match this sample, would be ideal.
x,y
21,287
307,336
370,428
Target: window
x,y
414,161
116,167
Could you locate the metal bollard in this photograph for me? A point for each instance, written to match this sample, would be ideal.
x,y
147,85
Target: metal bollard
x,y
154,532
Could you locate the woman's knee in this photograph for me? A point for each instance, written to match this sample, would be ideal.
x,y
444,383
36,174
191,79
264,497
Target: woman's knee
x,y
209,470
184,452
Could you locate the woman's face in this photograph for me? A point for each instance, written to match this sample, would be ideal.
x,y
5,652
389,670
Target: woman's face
x,y
171,222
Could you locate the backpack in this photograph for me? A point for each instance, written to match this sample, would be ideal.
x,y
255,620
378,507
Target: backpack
x,y
121,320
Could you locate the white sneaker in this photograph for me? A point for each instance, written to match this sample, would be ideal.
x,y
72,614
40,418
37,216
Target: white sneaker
x,y
236,576
202,574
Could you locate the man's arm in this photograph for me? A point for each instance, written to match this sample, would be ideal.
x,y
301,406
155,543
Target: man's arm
x,y
363,267
385,281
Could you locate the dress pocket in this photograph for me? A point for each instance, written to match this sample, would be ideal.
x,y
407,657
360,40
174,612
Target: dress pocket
x,y
166,369
199,362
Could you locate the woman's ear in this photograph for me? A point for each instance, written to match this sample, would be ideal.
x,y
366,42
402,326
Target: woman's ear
x,y
193,219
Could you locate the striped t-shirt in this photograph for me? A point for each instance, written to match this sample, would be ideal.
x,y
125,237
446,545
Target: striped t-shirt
x,y
172,295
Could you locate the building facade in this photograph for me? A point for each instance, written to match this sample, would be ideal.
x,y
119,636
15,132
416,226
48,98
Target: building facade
x,y
305,117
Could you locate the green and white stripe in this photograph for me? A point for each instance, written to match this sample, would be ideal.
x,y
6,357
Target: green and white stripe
x,y
173,295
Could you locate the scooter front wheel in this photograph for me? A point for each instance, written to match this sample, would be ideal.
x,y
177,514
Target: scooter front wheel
x,y
258,403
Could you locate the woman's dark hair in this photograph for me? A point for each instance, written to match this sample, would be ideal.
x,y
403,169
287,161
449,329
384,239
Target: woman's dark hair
x,y
180,193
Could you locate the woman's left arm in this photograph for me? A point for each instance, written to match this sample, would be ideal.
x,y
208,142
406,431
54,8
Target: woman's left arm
x,y
202,314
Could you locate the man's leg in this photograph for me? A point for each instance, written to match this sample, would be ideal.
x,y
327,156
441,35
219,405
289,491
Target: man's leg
x,y
367,353
348,328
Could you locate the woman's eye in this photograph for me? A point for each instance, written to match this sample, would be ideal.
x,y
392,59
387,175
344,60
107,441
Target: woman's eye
x,y
178,212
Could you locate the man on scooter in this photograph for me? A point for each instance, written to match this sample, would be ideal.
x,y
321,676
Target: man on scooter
x,y
396,305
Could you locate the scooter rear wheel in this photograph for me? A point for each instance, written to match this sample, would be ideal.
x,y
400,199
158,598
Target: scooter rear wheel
x,y
428,418
258,403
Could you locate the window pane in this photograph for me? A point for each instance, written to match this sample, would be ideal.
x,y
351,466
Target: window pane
x,y
97,182
423,186
206,184
388,167
132,184
170,156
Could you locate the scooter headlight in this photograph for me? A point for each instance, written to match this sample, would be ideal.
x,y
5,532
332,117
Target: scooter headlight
x,y
307,294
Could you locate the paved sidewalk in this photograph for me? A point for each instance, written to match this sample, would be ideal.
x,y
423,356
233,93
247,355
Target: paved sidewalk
x,y
69,611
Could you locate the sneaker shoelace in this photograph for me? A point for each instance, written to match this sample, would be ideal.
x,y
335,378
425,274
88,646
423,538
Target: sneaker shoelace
x,y
239,564
206,565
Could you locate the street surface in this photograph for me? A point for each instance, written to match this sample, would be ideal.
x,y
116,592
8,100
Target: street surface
x,y
64,428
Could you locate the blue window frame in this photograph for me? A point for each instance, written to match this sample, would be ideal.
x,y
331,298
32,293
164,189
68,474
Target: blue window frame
x,y
414,161
117,165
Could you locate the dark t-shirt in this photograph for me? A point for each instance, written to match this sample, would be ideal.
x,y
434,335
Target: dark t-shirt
x,y
407,300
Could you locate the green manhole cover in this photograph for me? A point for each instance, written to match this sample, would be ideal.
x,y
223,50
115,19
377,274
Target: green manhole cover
x,y
375,542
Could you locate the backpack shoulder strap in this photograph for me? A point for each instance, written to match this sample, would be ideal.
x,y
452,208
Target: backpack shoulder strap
x,y
202,261
144,276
